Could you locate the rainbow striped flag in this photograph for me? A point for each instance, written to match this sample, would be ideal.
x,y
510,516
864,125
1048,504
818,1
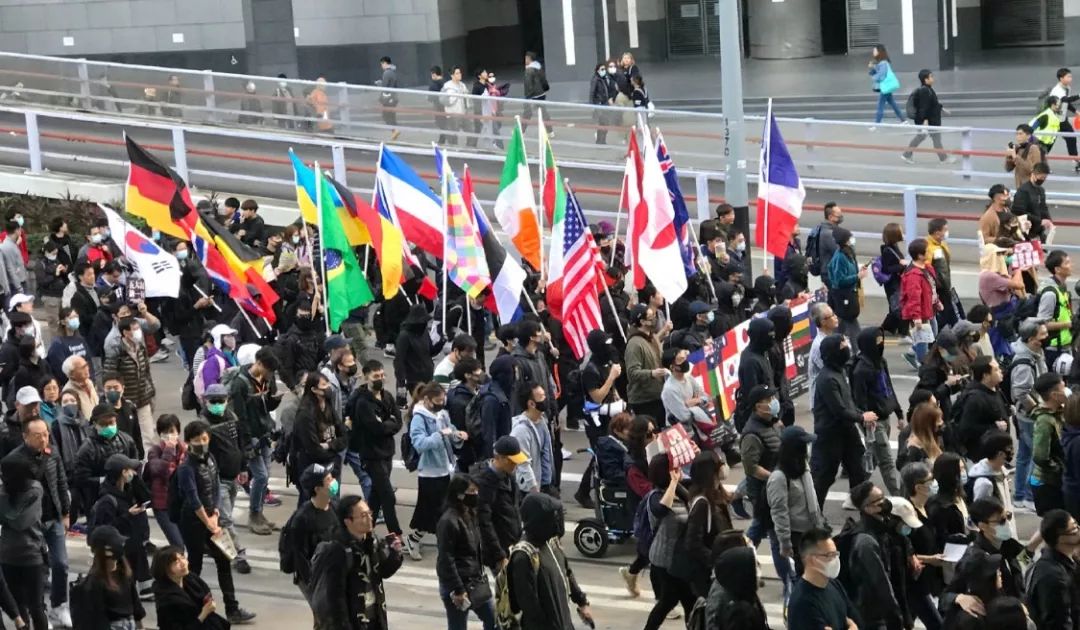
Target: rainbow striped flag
x,y
464,258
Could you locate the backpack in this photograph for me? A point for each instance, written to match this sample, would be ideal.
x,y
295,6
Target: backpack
x,y
409,454
845,542
92,518
286,546
969,487
910,108
643,529
79,595
879,275
199,383
507,612
227,455
1045,94
813,253
474,424
1007,364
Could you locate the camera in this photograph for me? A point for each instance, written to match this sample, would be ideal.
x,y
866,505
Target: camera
x,y
1012,145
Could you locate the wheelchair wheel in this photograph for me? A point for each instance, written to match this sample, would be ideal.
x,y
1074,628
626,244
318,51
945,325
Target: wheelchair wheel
x,y
591,538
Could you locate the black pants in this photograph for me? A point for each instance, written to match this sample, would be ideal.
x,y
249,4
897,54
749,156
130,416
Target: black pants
x,y
382,492
593,433
197,542
830,450
671,591
27,585
1047,497
652,408
441,122
1070,142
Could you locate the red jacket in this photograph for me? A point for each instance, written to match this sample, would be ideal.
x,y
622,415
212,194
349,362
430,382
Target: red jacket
x,y
917,293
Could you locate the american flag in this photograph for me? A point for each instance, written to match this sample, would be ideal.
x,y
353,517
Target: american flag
x,y
581,303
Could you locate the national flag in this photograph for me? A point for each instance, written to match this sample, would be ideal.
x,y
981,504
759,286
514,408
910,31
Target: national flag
x,y
507,276
157,194
515,207
386,238
346,287
580,308
158,268
678,204
410,203
780,193
636,217
658,248
464,259
705,367
731,346
246,262
304,176
801,335
381,203
553,191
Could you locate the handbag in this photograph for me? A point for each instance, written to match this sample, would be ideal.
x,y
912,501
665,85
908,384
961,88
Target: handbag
x,y
890,83
479,591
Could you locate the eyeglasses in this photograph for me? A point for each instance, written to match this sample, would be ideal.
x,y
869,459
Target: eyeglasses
x,y
832,555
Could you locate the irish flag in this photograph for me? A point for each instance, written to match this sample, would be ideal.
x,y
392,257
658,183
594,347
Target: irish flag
x,y
514,207
553,192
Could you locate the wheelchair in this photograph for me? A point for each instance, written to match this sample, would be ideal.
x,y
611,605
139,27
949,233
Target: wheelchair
x,y
613,520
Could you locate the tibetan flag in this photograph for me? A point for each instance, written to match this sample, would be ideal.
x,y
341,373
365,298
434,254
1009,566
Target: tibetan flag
x,y
346,287
507,276
386,239
355,229
157,194
554,192
411,203
780,193
705,367
464,258
678,203
514,207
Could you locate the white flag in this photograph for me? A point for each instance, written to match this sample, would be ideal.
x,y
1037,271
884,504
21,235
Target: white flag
x,y
158,268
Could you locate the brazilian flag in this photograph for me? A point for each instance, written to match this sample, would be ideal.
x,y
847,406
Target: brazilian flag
x,y
346,286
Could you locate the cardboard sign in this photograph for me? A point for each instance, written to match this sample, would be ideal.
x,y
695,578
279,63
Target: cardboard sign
x,y
1026,255
677,444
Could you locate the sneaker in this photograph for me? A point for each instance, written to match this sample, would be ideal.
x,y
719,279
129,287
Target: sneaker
x,y
1023,505
872,128
849,506
910,159
150,548
905,340
241,566
389,351
240,616
412,546
168,343
61,616
258,524
271,499
675,613
631,581
146,594
77,529
952,159
159,356
911,359
566,454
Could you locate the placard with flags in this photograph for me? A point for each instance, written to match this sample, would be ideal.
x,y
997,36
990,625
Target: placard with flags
x,y
780,192
159,269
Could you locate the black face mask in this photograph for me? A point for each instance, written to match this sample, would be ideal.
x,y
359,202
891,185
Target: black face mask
x,y
682,368
470,500
304,323
376,386
350,370
844,355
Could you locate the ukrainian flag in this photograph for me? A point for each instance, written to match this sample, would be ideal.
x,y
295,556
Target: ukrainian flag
x,y
304,177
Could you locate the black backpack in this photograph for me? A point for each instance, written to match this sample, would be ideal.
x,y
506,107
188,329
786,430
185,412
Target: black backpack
x,y
813,253
969,487
845,542
80,604
910,108
474,423
287,547
409,454
1007,364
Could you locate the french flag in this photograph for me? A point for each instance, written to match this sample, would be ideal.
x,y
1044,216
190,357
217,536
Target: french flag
x,y
780,192
413,206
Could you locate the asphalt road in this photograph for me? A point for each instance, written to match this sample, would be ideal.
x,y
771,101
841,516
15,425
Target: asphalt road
x,y
413,593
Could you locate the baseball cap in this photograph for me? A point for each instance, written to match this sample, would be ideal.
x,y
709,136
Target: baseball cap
x,y
106,537
313,477
27,395
217,390
119,461
946,339
697,307
508,446
758,393
335,342
19,298
906,511
245,354
798,433
102,410
638,313
219,331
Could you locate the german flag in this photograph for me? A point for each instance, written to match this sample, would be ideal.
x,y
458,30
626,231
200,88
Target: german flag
x,y
156,193
247,263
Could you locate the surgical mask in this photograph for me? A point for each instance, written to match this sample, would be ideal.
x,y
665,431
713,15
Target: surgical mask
x,y
1003,532
839,220
1068,392
182,254
602,72
106,232
933,487
335,487
95,239
1009,261
852,241
741,247
113,396
945,235
73,323
71,410
50,256
20,220
832,568
471,500
710,317
296,239
963,478
774,408
137,335
437,407
155,234
905,530
611,69
108,432
216,409
282,84
736,299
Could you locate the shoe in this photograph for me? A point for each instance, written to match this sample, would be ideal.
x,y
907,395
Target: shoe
x,y
905,340
675,614
911,359
584,501
631,581
258,524
566,454
239,616
60,616
77,529
952,159
872,128
907,158
241,566
271,499
161,355
146,594
906,122
412,546
1023,505
168,343
389,351
849,506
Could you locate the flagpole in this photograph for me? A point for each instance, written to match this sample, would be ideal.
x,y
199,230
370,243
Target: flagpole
x,y
446,221
618,215
247,317
766,152
603,281
212,302
322,256
303,222
697,262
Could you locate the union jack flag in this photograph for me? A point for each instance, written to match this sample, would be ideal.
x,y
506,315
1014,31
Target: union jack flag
x,y
678,203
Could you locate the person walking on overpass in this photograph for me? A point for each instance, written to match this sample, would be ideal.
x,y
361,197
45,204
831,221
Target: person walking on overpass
x,y
1063,91
885,83
928,110
389,100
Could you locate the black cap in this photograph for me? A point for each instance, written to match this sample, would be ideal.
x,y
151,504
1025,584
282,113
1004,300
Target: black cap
x,y
335,342
638,313
118,462
313,477
19,318
759,393
106,537
102,410
508,446
797,433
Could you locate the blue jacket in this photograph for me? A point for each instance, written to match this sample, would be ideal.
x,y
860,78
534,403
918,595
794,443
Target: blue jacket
x,y
879,72
436,450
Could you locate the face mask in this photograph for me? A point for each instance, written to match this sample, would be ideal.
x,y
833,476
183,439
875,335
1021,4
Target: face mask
x,y
171,438
95,239
376,386
710,317
296,239
852,241
774,407
50,257
198,450
840,220
611,69
335,487
832,568
20,221
933,487
128,476
1002,532
155,234
741,247
216,409
108,432
963,478
945,235
601,72
282,84
471,500
137,335
682,368
351,370
736,299
106,232
182,254
1068,392
112,396
71,410
437,407
73,323
1009,261
1040,182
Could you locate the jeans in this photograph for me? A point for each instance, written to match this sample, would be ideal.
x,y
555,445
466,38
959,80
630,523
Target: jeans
x,y
226,501
782,565
122,624
169,528
920,349
1025,431
457,619
891,100
56,539
352,459
260,473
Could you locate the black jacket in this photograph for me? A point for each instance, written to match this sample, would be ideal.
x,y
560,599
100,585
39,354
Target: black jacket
x,y
599,91
181,317
927,107
179,608
252,402
127,421
67,435
498,514
298,351
376,420
48,283
458,566
1030,200
982,407
85,304
90,461
781,318
834,407
345,573
254,231
495,409
49,472
1053,597
890,264
229,443
754,365
414,351
871,384
313,429
310,526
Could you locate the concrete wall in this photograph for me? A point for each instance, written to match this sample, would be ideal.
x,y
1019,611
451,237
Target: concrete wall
x,y
969,26
494,36
652,29
1072,32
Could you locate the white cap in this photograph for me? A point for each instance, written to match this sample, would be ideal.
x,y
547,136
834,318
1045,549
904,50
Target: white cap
x,y
245,354
17,299
27,395
220,330
906,511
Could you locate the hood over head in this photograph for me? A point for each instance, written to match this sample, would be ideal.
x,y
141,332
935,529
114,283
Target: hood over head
x,y
599,343
417,318
724,291
797,265
761,332
542,517
866,342
781,318
733,570
502,372
832,354
765,288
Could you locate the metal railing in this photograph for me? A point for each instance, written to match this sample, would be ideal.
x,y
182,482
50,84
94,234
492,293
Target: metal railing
x,y
863,156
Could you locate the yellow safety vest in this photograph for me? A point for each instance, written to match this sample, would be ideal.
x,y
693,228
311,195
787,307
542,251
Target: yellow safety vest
x,y
1046,135
1062,338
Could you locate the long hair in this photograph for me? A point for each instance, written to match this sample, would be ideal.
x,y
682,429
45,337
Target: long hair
x,y
947,473
99,569
703,474
880,54
638,439
309,402
923,422
422,391
458,485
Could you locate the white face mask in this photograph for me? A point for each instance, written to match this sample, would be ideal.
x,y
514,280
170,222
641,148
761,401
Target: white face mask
x,y
741,247
832,568
1003,532
945,236
1068,392
601,72
852,241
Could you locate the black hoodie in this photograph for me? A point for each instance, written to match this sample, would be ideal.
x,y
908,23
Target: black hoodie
x,y
178,607
754,365
782,321
727,314
541,593
871,384
798,279
834,407
733,601
765,293
414,351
